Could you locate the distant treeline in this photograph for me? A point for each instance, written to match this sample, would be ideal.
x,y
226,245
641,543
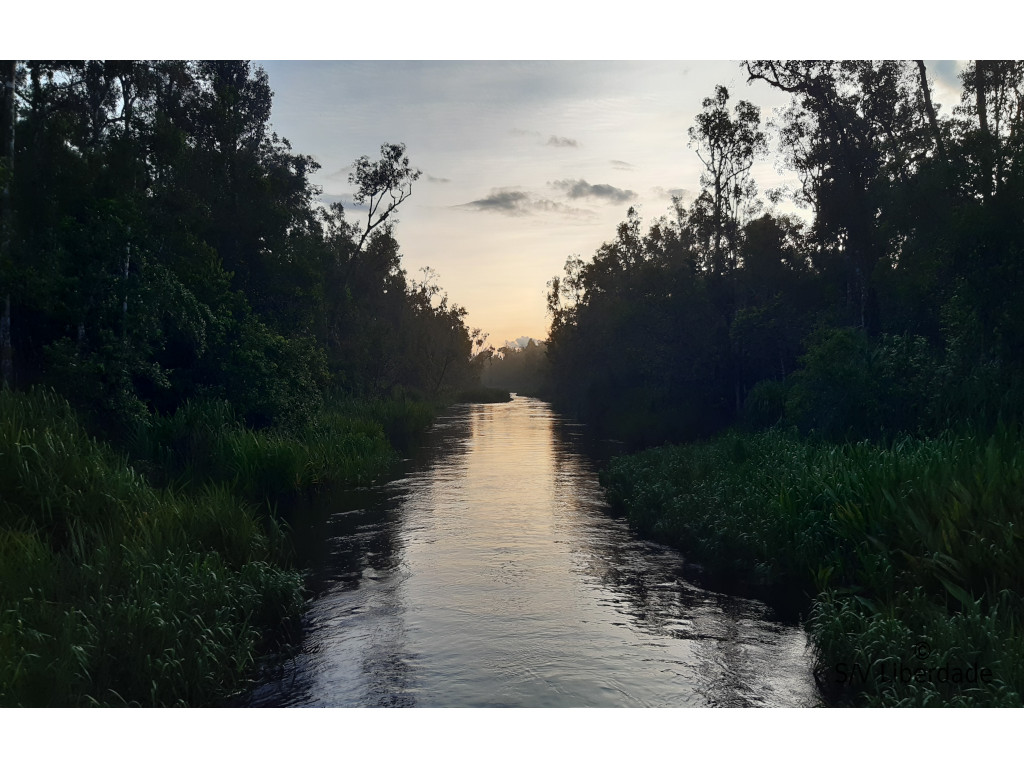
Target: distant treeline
x,y
160,244
896,308
520,369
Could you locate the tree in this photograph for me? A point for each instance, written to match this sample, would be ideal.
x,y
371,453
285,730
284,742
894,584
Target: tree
x,y
386,182
854,133
727,147
992,109
929,108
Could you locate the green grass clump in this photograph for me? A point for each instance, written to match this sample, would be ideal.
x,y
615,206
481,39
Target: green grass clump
x,y
150,581
113,592
403,419
205,442
909,553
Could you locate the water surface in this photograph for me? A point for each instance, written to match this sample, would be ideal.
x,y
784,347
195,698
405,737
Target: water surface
x,y
492,574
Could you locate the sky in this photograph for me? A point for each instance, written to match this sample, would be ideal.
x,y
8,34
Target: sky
x,y
524,163
536,124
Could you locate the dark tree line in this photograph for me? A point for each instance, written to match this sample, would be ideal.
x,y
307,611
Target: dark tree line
x,y
161,243
520,369
895,308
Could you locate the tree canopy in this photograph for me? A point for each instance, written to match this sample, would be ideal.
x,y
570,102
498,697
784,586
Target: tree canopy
x,y
900,291
162,243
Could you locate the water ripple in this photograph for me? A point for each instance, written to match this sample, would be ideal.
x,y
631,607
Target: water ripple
x,y
491,574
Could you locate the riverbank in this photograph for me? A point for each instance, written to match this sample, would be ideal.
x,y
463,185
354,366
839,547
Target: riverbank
x,y
156,576
906,556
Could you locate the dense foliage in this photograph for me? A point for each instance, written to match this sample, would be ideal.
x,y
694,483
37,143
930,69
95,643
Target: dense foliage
x,y
897,301
162,244
113,591
186,335
872,358
908,555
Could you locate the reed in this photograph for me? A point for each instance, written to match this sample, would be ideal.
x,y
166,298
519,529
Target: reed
x,y
204,442
114,592
890,545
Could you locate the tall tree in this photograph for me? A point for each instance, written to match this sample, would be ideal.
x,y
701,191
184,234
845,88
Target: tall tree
x,y
727,147
933,123
993,108
852,132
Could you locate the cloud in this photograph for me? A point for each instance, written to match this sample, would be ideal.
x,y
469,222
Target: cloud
x,y
577,188
622,165
505,201
947,70
514,202
945,76
553,141
561,141
668,194
436,179
521,342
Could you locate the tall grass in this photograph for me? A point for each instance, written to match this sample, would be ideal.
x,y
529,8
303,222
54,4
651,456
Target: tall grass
x,y
346,444
908,554
151,581
113,592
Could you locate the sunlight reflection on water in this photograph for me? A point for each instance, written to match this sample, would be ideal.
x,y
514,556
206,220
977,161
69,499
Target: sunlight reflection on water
x,y
491,574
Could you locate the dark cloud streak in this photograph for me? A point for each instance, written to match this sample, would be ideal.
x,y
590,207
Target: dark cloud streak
x,y
562,141
577,188
508,202
668,194
341,173
513,202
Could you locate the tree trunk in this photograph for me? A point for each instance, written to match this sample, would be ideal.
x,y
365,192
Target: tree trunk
x,y
980,68
124,305
930,111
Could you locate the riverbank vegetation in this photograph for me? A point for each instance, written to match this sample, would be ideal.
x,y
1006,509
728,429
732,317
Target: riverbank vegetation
x,y
906,556
187,336
114,591
853,378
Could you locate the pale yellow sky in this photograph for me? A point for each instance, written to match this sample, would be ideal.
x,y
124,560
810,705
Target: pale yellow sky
x,y
503,147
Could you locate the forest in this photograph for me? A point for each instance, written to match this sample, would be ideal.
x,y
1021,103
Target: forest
x,y
818,391
845,384
186,335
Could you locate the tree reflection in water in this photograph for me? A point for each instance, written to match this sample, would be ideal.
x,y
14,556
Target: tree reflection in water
x,y
491,574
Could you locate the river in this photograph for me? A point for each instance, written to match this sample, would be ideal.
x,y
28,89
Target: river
x,y
491,574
